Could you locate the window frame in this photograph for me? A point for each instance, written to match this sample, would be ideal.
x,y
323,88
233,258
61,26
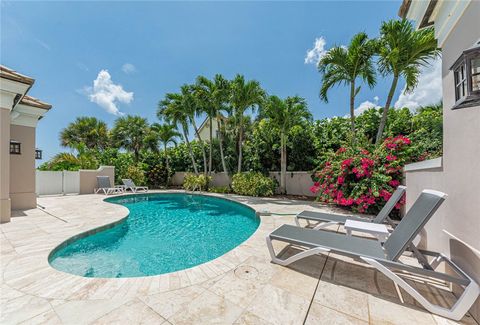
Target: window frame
x,y
16,146
38,154
471,97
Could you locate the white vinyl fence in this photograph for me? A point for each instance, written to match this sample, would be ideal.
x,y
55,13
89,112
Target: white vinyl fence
x,y
57,182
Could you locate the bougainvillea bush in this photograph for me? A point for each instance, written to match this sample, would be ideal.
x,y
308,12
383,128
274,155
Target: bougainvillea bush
x,y
363,179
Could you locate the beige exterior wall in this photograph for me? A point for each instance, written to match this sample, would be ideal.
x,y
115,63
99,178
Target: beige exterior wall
x,y
455,228
204,130
22,169
88,178
5,202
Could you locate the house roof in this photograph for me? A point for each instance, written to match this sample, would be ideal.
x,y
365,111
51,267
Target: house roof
x,y
34,102
10,74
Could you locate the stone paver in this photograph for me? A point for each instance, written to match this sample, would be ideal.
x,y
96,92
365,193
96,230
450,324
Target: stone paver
x,y
240,287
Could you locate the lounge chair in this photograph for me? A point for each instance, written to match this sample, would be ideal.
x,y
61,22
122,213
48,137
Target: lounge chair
x,y
130,185
327,219
104,185
385,258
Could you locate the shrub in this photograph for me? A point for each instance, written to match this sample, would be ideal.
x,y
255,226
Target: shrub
x,y
157,175
194,182
136,174
360,179
252,184
220,189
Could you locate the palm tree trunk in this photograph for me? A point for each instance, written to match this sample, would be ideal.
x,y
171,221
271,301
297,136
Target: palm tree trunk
x,y
240,141
352,108
283,163
210,147
383,121
166,163
203,147
220,142
190,151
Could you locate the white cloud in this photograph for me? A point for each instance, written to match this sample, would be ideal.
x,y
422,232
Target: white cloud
x,y
366,105
43,44
315,55
107,94
129,68
428,90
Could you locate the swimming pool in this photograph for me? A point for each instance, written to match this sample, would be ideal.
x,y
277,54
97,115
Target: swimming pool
x,y
163,233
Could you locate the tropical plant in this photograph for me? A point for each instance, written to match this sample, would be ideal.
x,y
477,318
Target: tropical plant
x,y
362,179
253,184
136,174
285,114
244,95
344,65
130,132
213,95
89,131
178,109
402,51
193,182
166,133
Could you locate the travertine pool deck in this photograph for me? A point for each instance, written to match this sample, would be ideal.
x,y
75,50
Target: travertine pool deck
x,y
240,287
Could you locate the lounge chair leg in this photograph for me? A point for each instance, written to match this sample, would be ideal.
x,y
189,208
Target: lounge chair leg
x,y
459,309
294,258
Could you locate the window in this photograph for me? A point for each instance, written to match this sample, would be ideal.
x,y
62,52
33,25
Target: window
x,y
38,154
466,73
15,147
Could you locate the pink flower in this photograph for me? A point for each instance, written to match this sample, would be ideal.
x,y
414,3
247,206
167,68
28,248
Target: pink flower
x,y
340,180
394,183
391,157
314,189
342,149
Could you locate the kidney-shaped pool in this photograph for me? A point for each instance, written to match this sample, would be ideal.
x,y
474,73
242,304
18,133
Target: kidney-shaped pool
x,y
163,233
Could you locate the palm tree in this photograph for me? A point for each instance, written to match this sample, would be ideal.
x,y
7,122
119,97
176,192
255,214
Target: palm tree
x,y
87,130
244,95
285,114
402,51
130,133
214,95
175,109
167,133
344,65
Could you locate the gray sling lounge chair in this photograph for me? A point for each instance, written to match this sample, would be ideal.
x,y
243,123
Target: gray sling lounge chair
x,y
327,219
130,185
104,185
385,258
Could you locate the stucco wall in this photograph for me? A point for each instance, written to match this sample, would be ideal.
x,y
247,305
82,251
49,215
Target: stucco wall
x,y
22,169
455,228
298,183
4,165
88,178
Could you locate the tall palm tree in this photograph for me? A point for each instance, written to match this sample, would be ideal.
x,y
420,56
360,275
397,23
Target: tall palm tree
x,y
402,51
85,130
285,114
214,95
344,65
244,95
130,132
174,109
167,133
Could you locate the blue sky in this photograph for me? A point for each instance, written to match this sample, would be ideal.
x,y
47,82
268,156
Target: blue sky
x,y
151,48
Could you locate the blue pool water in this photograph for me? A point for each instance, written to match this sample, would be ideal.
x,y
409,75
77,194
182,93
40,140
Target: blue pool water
x,y
163,233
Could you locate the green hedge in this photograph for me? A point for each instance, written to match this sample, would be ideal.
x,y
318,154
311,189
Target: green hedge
x,y
253,184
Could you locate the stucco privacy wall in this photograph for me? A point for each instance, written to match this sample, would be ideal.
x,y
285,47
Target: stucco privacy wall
x,y
22,169
88,178
298,183
455,228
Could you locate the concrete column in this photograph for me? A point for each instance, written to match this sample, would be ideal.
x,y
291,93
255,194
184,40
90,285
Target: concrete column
x,y
5,210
